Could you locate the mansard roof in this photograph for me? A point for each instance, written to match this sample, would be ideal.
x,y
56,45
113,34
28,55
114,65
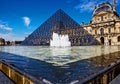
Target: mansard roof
x,y
107,7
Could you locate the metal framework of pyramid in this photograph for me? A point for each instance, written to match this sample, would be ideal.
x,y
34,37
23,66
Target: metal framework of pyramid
x,y
42,34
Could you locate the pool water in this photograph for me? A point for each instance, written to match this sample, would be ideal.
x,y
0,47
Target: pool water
x,y
60,65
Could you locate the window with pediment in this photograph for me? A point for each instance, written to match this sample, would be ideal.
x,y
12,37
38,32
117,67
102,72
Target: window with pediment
x,y
109,30
102,31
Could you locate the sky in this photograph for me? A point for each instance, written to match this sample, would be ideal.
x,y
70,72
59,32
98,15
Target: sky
x,y
19,18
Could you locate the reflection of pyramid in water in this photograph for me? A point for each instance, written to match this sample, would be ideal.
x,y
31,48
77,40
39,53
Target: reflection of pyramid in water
x,y
59,22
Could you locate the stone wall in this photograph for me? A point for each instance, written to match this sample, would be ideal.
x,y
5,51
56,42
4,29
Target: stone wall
x,y
20,77
105,76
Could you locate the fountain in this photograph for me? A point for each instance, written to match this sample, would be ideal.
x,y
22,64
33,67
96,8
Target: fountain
x,y
59,40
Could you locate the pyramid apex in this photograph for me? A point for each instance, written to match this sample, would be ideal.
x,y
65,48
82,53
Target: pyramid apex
x,y
59,10
59,20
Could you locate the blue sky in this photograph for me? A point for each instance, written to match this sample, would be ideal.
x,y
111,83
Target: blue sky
x,y
19,18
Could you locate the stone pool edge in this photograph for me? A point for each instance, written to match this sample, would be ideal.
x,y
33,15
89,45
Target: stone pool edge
x,y
19,76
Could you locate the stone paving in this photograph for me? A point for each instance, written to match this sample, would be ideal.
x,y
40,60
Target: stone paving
x,y
4,79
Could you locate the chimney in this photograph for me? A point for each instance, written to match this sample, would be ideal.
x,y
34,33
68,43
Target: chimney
x,y
95,7
114,5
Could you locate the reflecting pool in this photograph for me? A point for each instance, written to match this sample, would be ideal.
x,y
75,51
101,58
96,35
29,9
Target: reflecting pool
x,y
60,65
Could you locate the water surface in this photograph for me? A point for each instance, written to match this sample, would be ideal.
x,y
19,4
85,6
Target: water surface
x,y
60,65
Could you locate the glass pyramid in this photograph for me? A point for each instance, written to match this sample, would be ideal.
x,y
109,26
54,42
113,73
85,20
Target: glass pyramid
x,y
58,22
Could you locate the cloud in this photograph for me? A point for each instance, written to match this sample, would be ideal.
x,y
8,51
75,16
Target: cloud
x,y
88,5
5,27
8,34
117,2
11,37
26,21
27,33
69,1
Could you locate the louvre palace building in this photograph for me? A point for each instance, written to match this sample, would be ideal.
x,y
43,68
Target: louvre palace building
x,y
104,28
105,25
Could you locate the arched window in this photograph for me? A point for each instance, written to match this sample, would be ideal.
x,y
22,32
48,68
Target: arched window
x,y
118,38
102,31
102,40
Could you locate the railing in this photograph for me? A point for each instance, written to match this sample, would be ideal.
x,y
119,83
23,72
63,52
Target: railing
x,y
20,77
103,77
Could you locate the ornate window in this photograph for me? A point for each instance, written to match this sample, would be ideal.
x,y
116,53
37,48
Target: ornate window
x,y
109,30
102,31
109,16
101,18
95,31
118,38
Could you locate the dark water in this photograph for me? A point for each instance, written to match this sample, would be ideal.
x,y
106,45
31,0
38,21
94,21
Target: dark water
x,y
60,74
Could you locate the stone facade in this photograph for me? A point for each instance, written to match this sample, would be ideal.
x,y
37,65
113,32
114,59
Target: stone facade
x,y
105,25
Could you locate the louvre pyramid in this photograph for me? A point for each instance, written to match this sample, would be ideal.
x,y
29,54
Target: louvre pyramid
x,y
42,34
